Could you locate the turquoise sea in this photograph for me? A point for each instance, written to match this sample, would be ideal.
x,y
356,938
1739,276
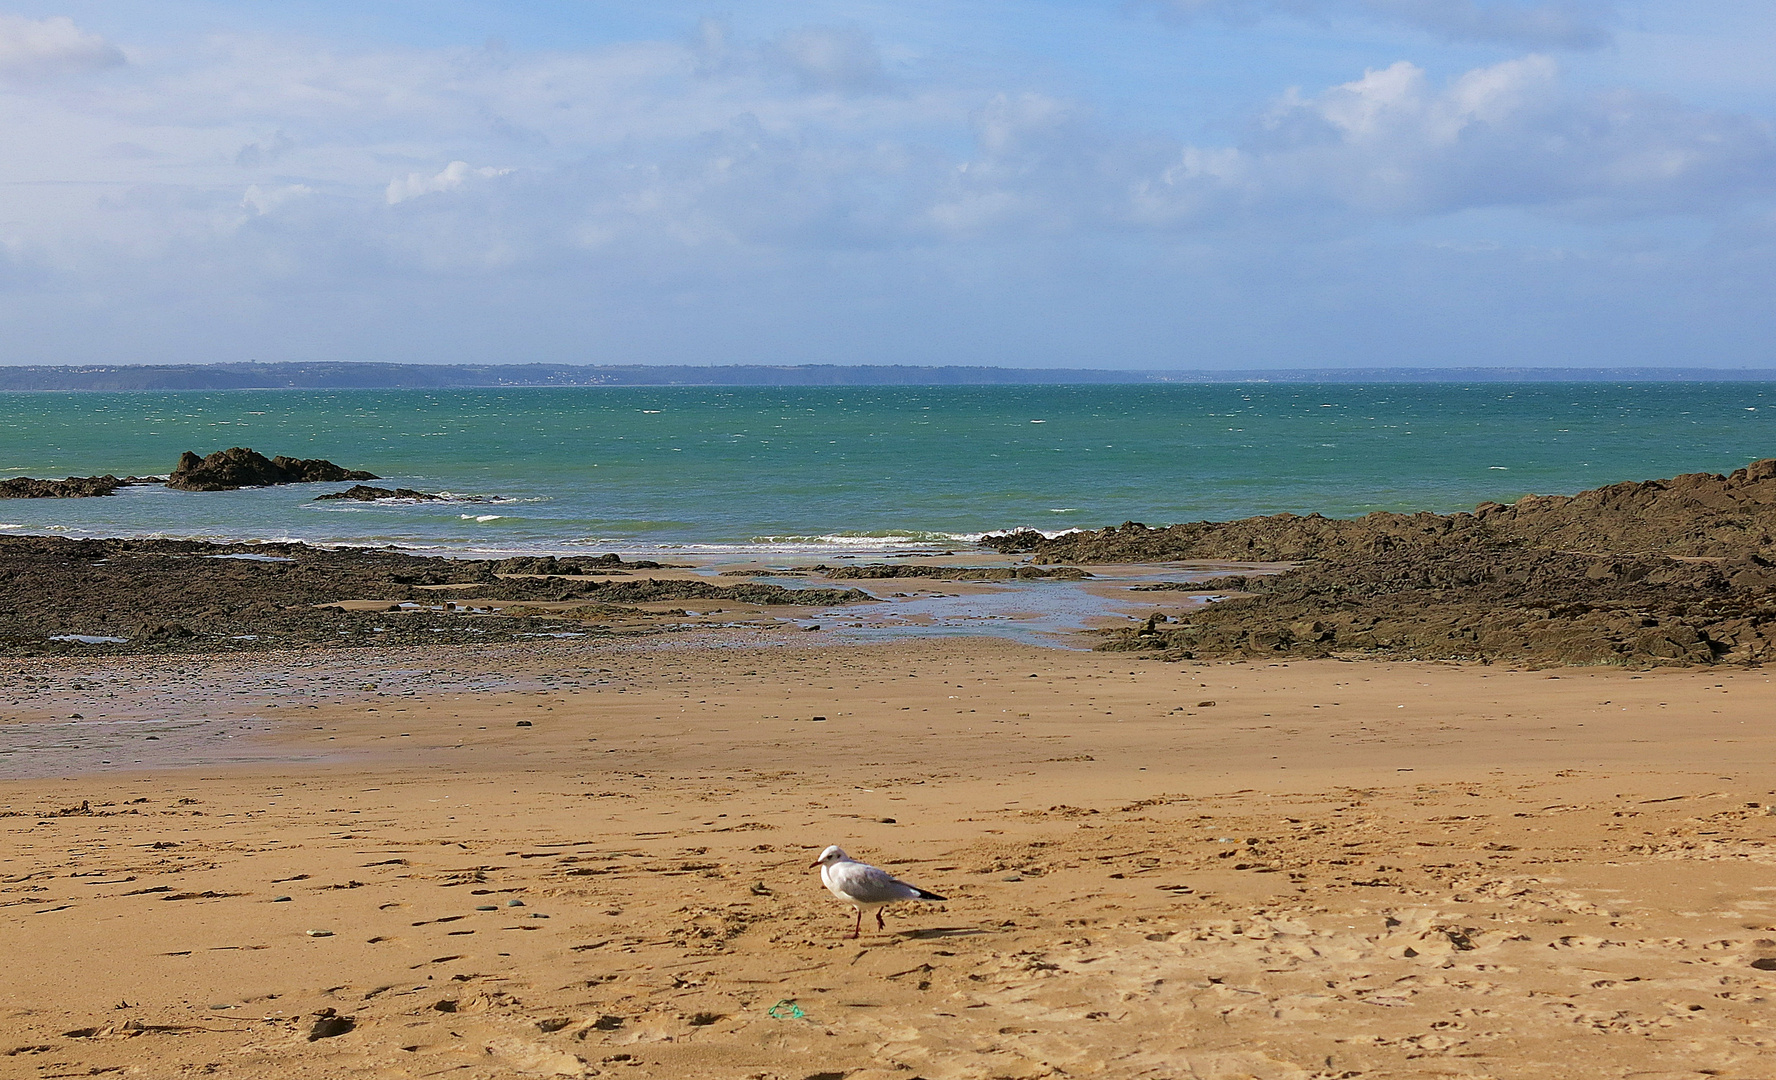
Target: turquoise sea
x,y
793,469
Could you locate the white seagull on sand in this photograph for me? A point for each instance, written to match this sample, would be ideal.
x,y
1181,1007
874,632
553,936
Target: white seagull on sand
x,y
863,886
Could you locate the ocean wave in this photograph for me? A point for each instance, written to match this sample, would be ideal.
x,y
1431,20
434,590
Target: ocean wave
x,y
465,545
873,539
1047,534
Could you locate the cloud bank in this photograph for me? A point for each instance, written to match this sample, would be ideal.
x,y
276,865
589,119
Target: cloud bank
x,y
798,197
43,49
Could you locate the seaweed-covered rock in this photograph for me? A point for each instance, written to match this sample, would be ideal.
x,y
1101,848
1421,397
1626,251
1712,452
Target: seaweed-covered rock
x,y
1697,515
239,467
871,571
178,596
1512,605
74,487
551,566
366,493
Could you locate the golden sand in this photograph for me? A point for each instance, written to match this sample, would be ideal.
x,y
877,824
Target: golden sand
x,y
1316,869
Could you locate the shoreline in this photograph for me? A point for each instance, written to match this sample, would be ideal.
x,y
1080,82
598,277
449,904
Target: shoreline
x,y
1638,574
124,597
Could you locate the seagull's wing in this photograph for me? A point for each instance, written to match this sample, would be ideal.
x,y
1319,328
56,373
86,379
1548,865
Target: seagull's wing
x,y
871,885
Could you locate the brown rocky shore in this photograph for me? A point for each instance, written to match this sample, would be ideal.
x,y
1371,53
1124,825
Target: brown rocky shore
x,y
1674,571
62,596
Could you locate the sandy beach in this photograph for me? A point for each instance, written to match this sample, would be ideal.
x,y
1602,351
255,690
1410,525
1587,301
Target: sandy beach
x,y
591,858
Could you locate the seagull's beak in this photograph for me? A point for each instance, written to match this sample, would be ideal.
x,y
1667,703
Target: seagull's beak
x,y
813,864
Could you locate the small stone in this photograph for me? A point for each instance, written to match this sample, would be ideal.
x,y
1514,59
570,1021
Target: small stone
x,y
487,907
281,899
538,915
319,933
523,723
514,903
818,719
1012,877
328,1027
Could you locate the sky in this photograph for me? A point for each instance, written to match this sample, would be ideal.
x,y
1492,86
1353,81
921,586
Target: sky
x,y
1128,184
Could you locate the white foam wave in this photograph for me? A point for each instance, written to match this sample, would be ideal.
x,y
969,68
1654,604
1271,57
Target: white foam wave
x,y
1047,534
873,539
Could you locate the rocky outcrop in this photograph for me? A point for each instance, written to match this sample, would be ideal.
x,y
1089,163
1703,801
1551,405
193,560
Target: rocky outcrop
x,y
1697,515
366,493
550,566
74,487
1511,605
239,467
873,571
60,596
1678,571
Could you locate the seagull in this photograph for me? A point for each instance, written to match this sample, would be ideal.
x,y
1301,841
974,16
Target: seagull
x,y
863,886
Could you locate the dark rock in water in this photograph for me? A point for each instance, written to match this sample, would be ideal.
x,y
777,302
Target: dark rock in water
x,y
365,493
239,467
74,487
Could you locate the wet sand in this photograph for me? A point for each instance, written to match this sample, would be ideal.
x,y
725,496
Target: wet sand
x,y
1306,869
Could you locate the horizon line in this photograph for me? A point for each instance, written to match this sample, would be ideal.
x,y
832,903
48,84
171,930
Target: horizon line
x,y
370,374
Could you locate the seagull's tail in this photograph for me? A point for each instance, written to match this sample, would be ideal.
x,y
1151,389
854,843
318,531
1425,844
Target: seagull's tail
x,y
923,895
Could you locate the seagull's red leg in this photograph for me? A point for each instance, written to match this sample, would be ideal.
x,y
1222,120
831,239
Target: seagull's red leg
x,y
880,925
858,929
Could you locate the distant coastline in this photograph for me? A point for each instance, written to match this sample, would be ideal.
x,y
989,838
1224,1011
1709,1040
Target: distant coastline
x,y
368,376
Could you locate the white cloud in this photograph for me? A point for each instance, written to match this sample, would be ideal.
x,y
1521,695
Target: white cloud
x,y
829,58
45,48
451,178
1508,134
263,200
